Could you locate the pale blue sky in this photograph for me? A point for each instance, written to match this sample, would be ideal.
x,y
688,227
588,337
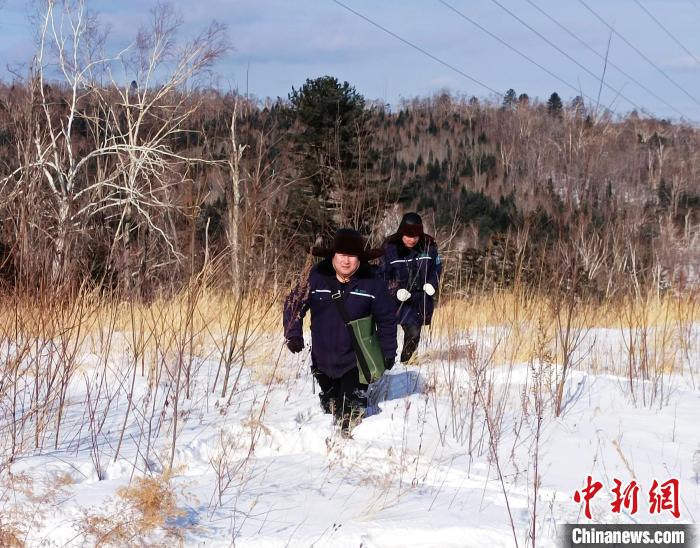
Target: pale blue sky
x,y
285,42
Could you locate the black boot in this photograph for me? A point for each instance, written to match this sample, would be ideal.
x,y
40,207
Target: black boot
x,y
328,403
411,338
350,420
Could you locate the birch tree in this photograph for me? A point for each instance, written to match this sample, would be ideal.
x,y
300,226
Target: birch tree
x,y
121,169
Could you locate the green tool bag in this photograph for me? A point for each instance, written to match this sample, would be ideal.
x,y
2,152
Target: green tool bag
x,y
370,360
369,349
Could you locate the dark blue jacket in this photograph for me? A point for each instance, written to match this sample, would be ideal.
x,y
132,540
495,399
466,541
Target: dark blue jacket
x,y
411,269
331,346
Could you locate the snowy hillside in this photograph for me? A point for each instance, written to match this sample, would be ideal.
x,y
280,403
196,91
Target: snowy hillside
x,y
448,456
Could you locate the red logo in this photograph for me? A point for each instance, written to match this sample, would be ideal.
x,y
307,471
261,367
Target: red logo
x,y
662,497
588,493
625,499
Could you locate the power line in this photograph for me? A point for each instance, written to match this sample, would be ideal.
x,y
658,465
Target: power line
x,y
639,52
515,50
669,33
616,67
414,46
552,44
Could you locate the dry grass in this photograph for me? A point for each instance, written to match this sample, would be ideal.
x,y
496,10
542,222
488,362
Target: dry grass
x,y
507,320
656,329
207,315
216,324
13,528
512,307
148,505
24,502
154,500
10,537
48,318
652,311
212,312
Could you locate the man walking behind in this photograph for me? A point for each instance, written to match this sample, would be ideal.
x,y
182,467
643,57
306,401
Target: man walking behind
x,y
411,266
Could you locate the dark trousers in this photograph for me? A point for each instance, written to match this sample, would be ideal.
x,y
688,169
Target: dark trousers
x,y
411,338
343,396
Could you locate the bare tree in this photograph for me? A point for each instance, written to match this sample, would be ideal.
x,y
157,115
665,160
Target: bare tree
x,y
235,202
120,167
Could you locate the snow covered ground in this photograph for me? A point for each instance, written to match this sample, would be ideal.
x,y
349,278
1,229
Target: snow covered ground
x,y
449,455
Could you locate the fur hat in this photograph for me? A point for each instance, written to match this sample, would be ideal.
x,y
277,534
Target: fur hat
x,y
348,242
411,225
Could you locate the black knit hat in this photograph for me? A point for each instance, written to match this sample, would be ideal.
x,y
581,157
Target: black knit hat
x,y
348,242
411,225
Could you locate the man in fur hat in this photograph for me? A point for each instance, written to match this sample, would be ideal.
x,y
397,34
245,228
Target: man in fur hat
x,y
411,266
344,268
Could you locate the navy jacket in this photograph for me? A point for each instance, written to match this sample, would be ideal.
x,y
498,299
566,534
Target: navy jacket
x,y
331,346
411,269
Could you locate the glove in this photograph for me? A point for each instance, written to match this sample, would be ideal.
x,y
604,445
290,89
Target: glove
x,y
429,289
295,344
389,362
403,295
